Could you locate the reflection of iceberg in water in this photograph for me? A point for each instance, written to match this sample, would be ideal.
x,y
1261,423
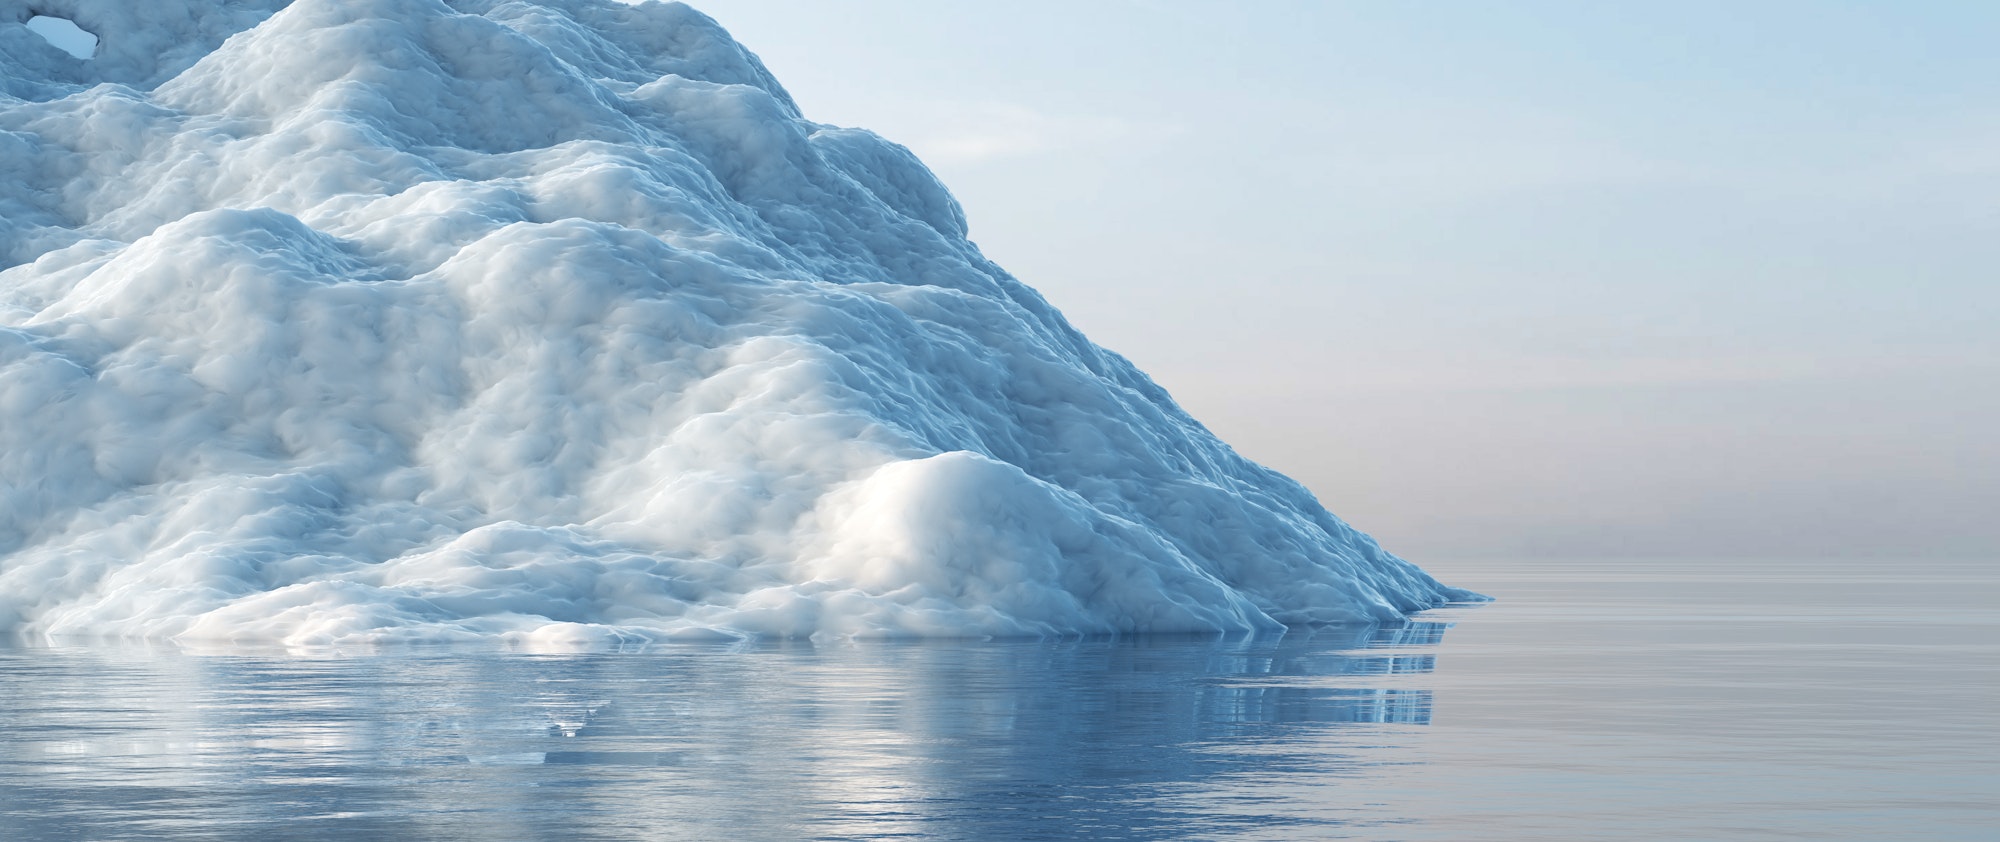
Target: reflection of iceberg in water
x,y
1249,697
764,741
1273,705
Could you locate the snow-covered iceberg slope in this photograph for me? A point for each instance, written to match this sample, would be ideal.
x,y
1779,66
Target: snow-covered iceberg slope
x,y
347,320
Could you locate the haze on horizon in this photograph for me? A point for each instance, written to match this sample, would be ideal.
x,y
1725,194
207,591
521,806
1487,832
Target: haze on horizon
x,y
1560,279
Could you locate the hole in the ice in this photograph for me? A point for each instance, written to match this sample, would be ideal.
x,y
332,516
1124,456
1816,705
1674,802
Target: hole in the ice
x,y
65,35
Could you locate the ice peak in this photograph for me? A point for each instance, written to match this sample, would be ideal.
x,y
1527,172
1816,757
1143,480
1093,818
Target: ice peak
x,y
390,319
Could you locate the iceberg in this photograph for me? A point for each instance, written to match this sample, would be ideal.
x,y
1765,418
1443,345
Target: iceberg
x,y
557,323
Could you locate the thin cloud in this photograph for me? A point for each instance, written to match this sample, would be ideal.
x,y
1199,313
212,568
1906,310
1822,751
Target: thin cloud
x,y
978,132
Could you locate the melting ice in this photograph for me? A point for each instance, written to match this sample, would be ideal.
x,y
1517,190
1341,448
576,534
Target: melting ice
x,y
374,320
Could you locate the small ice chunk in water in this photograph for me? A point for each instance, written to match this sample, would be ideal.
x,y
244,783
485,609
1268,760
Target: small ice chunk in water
x,y
65,35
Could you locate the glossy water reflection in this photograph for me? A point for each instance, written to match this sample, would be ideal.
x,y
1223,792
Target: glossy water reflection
x,y
950,740
1617,700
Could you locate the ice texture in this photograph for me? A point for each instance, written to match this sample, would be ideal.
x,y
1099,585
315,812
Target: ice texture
x,y
556,322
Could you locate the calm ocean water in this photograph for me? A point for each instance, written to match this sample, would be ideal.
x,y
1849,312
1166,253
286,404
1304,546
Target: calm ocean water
x,y
1595,700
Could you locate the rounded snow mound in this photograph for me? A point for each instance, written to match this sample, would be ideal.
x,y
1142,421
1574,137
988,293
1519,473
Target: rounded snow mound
x,y
352,320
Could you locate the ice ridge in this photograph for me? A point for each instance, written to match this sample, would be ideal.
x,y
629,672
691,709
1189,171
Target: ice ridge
x,y
557,323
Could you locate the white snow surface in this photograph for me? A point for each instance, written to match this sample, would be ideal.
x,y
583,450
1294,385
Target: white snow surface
x,y
342,321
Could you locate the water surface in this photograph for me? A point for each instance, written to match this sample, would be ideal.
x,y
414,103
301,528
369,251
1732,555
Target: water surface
x,y
1738,700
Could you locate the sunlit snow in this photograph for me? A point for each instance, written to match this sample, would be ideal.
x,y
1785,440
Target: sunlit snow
x,y
558,323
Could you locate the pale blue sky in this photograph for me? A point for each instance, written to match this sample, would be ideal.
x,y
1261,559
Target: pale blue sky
x,y
1497,279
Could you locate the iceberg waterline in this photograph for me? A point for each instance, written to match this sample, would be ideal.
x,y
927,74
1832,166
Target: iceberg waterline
x,y
557,322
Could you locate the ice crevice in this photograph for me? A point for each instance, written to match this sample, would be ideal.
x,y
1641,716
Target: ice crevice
x,y
558,323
